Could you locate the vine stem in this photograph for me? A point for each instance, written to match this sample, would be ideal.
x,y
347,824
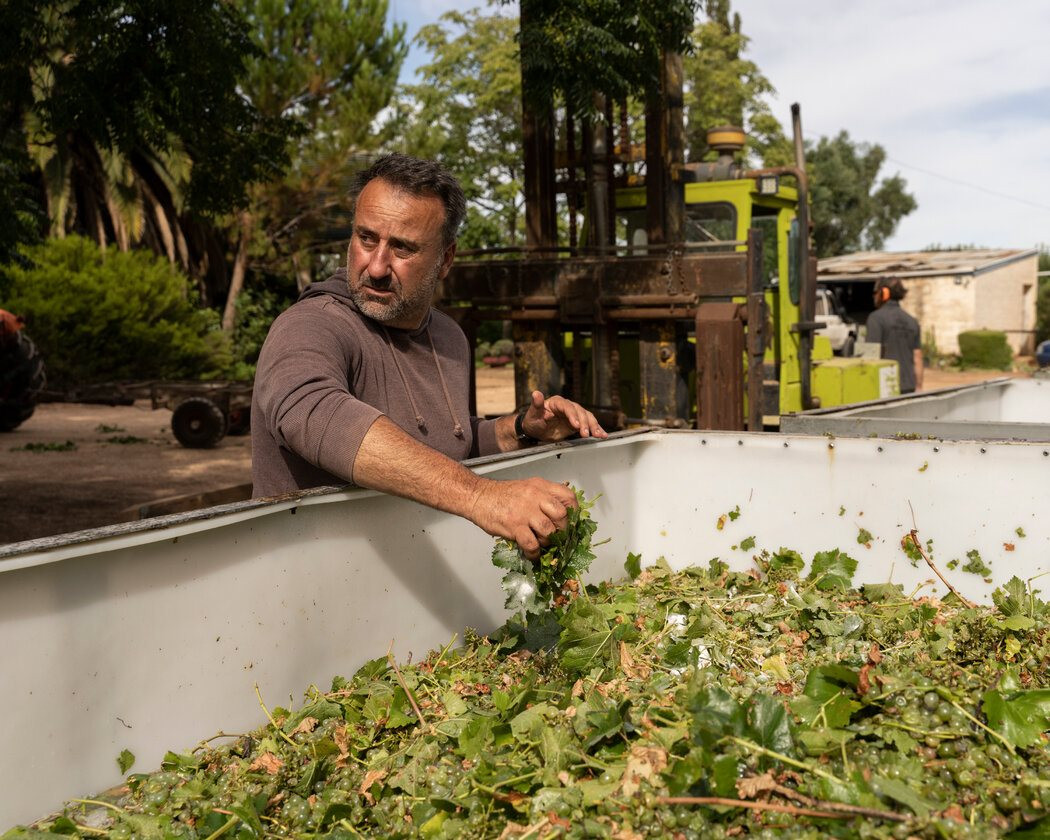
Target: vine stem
x,y
445,650
109,805
541,824
754,806
913,537
786,759
273,723
351,828
404,685
990,731
843,807
226,826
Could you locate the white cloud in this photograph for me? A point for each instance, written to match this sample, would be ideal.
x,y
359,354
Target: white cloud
x,y
960,89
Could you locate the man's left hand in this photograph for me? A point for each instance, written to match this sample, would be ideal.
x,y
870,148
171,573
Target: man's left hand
x,y
554,419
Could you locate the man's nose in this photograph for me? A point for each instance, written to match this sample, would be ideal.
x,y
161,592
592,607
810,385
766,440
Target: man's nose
x,y
379,261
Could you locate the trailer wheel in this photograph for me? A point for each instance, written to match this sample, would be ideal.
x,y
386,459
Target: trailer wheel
x,y
198,423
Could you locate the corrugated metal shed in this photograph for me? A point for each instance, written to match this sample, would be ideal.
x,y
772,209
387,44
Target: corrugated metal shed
x,y
871,265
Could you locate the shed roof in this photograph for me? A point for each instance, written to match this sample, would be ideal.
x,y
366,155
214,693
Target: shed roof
x,y
873,265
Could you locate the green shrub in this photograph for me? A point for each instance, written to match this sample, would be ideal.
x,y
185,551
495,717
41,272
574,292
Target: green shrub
x,y
256,309
1042,310
482,350
104,316
985,349
489,331
503,347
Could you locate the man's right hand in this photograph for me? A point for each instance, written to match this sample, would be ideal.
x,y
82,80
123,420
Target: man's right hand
x,y
527,511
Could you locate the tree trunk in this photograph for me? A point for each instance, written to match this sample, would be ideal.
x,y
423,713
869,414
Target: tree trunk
x,y
240,266
302,273
160,220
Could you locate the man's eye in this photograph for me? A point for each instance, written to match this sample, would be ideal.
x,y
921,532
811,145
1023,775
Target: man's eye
x,y
366,238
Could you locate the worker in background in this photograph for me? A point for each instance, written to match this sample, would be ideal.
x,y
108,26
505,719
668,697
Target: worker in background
x,y
362,380
897,332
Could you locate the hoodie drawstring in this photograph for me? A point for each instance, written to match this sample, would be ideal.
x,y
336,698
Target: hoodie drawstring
x,y
457,429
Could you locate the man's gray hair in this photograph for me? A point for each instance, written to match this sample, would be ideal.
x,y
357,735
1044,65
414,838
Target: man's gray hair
x,y
419,177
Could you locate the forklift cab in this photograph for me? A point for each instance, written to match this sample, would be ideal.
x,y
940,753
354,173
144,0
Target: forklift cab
x,y
723,212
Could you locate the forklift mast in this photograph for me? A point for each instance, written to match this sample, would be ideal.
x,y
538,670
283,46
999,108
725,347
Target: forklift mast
x,y
634,317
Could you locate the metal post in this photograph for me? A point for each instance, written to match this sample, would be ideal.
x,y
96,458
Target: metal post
x,y
538,359
807,305
663,391
665,153
719,367
756,321
598,177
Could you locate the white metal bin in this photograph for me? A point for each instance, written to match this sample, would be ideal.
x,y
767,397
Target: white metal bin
x,y
152,636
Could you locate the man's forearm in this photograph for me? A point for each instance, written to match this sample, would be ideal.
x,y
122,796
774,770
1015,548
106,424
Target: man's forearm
x,y
392,461
919,369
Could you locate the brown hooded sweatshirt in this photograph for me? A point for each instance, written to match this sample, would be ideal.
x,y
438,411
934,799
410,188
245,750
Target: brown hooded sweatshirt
x,y
326,373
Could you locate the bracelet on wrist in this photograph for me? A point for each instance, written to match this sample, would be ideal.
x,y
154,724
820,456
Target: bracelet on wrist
x,y
519,431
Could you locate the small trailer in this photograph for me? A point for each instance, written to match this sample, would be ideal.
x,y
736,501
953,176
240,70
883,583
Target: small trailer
x,y
203,412
150,635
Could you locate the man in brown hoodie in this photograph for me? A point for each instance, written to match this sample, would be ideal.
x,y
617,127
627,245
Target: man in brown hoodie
x,y
363,381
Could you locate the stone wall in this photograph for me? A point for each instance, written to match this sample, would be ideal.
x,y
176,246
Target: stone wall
x,y
1006,301
1001,299
943,306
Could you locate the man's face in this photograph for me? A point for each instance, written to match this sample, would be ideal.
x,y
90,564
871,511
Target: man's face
x,y
396,257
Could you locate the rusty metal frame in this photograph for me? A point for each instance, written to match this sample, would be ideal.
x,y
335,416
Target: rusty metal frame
x,y
660,293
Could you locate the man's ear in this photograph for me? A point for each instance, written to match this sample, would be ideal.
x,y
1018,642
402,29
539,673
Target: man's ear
x,y
446,260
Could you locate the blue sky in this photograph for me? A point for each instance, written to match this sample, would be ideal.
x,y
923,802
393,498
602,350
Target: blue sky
x,y
956,91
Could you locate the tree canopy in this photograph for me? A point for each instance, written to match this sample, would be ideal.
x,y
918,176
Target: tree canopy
x,y
102,92
572,50
852,209
724,88
332,65
469,97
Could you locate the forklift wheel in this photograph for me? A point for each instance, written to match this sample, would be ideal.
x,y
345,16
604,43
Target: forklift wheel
x,y
198,423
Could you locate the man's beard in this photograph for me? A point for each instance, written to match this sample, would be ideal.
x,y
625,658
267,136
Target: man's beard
x,y
400,305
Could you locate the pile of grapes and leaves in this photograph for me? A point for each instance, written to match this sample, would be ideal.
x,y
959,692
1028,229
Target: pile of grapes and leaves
x,y
782,702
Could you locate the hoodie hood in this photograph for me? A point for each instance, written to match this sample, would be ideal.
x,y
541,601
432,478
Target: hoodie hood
x,y
336,286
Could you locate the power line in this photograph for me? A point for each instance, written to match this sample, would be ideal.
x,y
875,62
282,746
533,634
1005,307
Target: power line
x,y
959,182
971,186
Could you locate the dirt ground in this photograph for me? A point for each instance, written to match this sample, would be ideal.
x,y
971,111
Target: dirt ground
x,y
125,458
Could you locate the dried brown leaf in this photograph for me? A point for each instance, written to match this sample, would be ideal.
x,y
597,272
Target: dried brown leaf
x,y
268,763
633,669
863,682
752,786
371,777
342,743
307,724
643,763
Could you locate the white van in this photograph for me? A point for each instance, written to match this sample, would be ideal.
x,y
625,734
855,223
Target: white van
x,y
838,327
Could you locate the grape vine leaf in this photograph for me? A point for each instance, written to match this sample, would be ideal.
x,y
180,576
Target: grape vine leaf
x,y
832,570
586,637
1020,717
532,585
125,761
